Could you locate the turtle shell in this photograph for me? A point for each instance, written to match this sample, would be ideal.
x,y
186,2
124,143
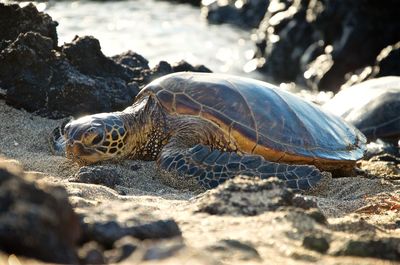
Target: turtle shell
x,y
259,117
376,112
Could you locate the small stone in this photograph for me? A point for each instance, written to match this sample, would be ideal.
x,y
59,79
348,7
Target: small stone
x,y
135,167
304,202
103,175
383,248
316,243
239,249
317,215
122,249
91,253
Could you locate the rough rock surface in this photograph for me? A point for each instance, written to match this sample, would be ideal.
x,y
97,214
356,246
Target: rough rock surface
x,y
318,42
383,248
183,66
245,196
102,175
36,220
102,225
54,86
247,13
74,79
15,20
387,63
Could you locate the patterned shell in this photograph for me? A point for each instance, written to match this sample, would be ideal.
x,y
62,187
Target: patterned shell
x,y
259,116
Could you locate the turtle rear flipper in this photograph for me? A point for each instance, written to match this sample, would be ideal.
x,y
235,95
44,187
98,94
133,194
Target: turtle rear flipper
x,y
212,167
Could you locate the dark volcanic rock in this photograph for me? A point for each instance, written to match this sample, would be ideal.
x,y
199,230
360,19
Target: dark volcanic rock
x,y
316,243
245,196
164,68
15,20
247,14
184,66
318,42
54,87
192,2
304,202
107,176
36,220
316,215
387,63
161,69
132,60
383,248
24,70
101,225
284,35
85,54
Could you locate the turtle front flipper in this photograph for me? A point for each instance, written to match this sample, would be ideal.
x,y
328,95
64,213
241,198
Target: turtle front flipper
x,y
57,140
212,167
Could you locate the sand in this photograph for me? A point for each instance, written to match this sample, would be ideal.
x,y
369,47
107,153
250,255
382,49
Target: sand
x,y
353,205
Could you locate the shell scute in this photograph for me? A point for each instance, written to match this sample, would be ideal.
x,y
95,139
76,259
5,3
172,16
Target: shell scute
x,y
185,105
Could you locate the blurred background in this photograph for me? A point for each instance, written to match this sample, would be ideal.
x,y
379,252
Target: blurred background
x,y
158,30
313,46
317,44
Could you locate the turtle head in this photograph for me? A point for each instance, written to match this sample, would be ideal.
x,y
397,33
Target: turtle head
x,y
95,138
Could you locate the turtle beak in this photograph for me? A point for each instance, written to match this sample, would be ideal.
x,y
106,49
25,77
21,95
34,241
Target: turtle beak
x,y
71,149
76,151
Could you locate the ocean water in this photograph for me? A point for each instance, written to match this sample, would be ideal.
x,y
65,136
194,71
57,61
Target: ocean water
x,y
157,30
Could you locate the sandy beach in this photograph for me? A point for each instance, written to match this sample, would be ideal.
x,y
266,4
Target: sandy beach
x,y
353,206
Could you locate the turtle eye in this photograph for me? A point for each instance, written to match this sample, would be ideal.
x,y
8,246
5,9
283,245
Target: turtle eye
x,y
96,140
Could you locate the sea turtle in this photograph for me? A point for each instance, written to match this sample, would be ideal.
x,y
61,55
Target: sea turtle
x,y
372,106
211,127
